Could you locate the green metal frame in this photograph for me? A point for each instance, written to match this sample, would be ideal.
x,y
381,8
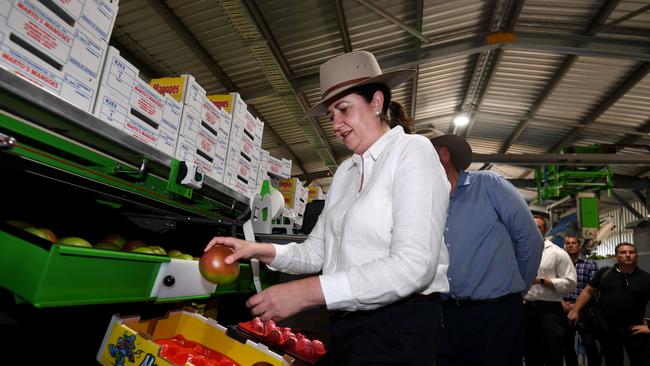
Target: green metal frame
x,y
47,148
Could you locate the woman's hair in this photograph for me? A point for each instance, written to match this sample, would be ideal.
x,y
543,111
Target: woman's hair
x,y
392,113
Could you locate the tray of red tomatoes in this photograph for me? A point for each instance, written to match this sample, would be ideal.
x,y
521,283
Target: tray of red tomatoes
x,y
293,343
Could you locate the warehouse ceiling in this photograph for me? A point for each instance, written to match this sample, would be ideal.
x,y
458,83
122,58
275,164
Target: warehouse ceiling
x,y
534,76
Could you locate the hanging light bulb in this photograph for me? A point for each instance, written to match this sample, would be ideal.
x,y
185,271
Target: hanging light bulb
x,y
461,120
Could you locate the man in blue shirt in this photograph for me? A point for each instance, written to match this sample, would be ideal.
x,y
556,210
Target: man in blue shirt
x,y
495,249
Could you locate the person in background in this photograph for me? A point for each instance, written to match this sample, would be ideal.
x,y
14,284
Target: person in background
x,y
585,270
378,240
495,249
545,318
622,293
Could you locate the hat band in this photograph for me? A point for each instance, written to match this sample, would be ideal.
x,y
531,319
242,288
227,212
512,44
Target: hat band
x,y
345,83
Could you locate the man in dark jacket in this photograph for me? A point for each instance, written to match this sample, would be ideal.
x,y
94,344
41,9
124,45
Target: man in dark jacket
x,y
622,293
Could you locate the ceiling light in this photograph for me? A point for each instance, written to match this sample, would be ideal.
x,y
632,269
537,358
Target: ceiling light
x,y
461,119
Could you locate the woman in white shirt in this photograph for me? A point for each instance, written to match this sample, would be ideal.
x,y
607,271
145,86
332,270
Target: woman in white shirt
x,y
378,240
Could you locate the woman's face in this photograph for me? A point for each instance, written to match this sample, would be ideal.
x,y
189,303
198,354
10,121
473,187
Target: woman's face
x,y
356,122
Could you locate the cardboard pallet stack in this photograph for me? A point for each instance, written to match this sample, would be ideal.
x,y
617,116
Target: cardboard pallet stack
x,y
58,45
129,104
244,144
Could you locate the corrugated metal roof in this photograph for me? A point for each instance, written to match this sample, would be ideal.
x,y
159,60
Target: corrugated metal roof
x,y
307,33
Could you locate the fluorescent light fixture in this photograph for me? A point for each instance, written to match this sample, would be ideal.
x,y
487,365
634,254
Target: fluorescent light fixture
x,y
461,119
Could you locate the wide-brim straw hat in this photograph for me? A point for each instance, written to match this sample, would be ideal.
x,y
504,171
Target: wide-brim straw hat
x,y
461,152
350,70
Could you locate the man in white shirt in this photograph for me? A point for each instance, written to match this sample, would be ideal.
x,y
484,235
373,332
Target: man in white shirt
x,y
545,319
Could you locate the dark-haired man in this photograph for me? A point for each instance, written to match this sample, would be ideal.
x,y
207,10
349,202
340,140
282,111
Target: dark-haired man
x,y
494,251
586,270
623,292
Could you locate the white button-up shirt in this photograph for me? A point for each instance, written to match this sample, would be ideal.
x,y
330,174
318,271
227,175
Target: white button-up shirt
x,y
381,242
558,266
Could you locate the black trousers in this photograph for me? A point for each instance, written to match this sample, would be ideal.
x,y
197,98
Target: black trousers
x,y
636,346
545,330
404,333
588,340
482,333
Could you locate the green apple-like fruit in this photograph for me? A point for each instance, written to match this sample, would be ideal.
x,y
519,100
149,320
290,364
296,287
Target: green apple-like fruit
x,y
38,232
50,234
174,253
132,244
73,240
185,256
157,249
106,245
213,267
143,250
116,239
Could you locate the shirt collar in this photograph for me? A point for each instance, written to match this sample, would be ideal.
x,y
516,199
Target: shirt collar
x,y
463,179
379,146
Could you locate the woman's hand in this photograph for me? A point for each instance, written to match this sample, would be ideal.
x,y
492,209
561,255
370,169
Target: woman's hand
x,y
284,300
640,329
243,249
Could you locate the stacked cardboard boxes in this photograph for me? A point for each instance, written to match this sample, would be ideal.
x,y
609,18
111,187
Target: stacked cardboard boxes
x,y
244,145
128,103
201,124
58,45
295,197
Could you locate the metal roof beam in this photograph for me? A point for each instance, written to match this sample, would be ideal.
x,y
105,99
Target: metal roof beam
x,y
251,24
631,139
605,10
582,46
562,159
610,100
394,20
194,45
419,11
504,16
454,47
343,26
625,17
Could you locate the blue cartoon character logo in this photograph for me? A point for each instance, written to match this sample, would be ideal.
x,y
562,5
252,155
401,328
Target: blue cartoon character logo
x,y
124,350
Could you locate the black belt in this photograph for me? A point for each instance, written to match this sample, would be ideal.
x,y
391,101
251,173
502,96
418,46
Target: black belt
x,y
470,302
434,297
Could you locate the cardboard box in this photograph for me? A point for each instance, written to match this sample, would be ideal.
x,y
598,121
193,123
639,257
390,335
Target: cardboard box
x,y
69,87
36,28
118,73
286,168
129,335
274,166
184,89
96,16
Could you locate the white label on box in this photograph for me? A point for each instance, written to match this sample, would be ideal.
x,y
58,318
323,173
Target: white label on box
x,y
147,101
111,108
22,63
172,113
195,95
210,115
87,54
219,168
118,73
72,7
99,16
206,142
78,92
167,141
190,123
42,29
141,130
185,149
